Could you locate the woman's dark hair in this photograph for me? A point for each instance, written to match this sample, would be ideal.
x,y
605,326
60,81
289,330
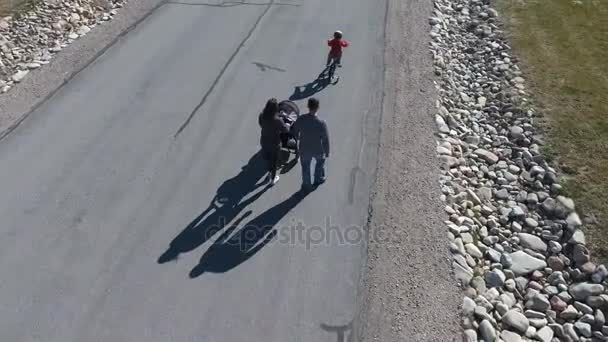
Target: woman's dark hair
x,y
271,108
337,35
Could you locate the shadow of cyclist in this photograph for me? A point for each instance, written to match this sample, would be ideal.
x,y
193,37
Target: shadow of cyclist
x,y
309,89
230,199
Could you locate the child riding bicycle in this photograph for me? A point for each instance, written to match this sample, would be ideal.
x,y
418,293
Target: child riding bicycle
x,y
336,45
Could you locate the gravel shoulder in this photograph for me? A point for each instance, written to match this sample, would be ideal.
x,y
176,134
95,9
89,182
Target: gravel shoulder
x,y
411,293
42,83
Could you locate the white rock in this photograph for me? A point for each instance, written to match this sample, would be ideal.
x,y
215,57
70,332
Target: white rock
x,y
532,242
516,320
473,251
82,30
487,331
545,334
487,156
441,125
19,75
468,306
524,263
509,336
470,335
581,291
578,237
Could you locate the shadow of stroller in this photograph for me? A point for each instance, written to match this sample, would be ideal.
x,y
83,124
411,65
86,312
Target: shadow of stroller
x,y
228,202
231,250
309,89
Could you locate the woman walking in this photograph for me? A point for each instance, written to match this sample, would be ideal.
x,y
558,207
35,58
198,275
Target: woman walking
x,y
270,140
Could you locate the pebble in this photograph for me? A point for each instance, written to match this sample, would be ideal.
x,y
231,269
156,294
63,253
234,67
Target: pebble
x,y
545,334
570,313
558,304
19,75
487,331
516,320
518,244
533,242
43,31
509,336
583,328
538,303
524,263
581,291
495,278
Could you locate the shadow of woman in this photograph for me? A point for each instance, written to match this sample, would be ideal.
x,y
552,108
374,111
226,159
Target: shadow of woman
x,y
231,250
230,199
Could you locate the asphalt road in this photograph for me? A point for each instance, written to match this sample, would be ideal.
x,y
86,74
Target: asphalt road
x,y
108,229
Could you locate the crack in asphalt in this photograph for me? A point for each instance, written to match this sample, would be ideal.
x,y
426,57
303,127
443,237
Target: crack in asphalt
x,y
224,68
232,4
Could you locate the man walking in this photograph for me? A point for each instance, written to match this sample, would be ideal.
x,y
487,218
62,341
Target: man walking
x,y
313,136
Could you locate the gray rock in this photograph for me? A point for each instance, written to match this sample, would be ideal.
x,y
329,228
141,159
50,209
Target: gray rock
x,y
600,274
580,254
487,331
487,156
473,251
19,75
578,237
468,306
516,320
584,308
596,302
441,125
462,274
502,194
569,314
509,336
548,206
470,335
583,328
506,260
599,318
478,284
573,221
495,278
484,194
83,30
569,331
516,132
532,242
558,304
555,263
581,291
524,263
538,303
545,334
530,222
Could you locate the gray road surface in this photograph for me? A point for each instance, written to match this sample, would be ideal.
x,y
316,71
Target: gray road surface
x,y
106,228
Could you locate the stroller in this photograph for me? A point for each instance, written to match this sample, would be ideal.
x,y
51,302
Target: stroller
x,y
289,143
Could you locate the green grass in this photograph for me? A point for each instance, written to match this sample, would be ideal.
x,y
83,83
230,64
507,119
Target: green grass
x,y
564,52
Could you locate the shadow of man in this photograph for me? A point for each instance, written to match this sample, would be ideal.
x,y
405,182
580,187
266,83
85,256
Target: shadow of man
x,y
227,252
228,202
309,89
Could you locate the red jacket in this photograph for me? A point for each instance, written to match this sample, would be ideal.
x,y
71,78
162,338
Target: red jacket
x,y
336,46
